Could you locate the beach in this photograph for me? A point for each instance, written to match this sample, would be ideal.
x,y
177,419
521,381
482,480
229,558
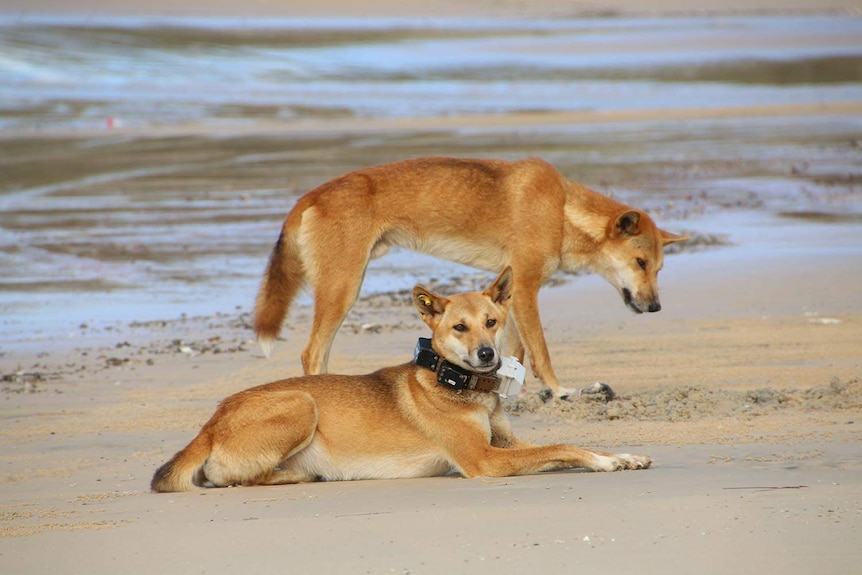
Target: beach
x,y
132,250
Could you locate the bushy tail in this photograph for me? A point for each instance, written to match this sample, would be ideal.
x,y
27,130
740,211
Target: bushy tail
x,y
283,277
183,471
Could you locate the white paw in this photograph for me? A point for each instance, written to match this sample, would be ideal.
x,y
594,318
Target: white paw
x,y
634,461
620,461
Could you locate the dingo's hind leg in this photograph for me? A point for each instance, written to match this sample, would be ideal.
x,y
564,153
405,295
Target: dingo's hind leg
x,y
251,441
335,269
333,298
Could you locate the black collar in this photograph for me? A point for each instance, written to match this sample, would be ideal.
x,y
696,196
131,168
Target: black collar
x,y
448,374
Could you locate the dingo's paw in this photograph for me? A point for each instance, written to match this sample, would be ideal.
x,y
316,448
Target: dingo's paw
x,y
567,394
620,461
634,461
562,393
598,391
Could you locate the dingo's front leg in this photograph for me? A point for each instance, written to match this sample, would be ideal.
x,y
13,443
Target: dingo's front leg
x,y
525,308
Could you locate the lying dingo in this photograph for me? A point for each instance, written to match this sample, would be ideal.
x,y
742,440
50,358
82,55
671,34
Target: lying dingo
x,y
420,419
484,213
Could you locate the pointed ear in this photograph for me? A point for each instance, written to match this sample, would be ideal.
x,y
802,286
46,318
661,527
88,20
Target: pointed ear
x,y
669,238
427,303
626,224
500,291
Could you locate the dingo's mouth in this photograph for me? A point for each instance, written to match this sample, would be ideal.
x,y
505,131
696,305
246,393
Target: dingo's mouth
x,y
629,301
627,298
484,369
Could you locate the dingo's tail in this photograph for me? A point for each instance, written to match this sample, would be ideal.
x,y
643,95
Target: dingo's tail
x,y
183,472
283,277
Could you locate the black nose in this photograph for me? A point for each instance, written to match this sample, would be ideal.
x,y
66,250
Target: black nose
x,y
655,306
486,354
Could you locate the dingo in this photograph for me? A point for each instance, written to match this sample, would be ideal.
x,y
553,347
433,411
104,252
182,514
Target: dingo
x,y
483,213
397,422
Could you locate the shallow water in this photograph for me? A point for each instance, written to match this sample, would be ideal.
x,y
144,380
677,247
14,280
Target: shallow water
x,y
161,72
99,225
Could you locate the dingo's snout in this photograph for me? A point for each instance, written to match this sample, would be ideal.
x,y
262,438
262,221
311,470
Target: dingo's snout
x,y
487,355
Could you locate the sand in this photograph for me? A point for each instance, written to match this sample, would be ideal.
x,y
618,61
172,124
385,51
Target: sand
x,y
746,395
745,390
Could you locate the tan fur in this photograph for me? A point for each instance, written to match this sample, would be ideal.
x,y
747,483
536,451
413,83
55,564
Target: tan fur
x,y
396,422
483,213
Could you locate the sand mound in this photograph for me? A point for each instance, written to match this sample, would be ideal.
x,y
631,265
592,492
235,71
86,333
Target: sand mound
x,y
691,402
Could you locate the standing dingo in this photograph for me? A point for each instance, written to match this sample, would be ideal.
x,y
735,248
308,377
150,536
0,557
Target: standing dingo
x,y
484,213
398,422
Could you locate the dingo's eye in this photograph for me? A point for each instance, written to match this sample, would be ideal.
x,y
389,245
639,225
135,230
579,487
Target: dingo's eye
x,y
491,322
460,327
642,263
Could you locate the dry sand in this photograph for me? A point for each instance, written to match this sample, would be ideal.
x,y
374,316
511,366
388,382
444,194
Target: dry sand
x,y
745,390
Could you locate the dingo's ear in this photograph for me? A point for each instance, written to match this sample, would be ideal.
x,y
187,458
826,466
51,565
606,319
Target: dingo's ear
x,y
427,303
626,224
669,238
500,291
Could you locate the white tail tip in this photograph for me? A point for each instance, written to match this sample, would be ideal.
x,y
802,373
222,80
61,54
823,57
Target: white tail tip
x,y
266,345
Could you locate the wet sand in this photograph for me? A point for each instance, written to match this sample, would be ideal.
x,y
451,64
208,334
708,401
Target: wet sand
x,y
745,390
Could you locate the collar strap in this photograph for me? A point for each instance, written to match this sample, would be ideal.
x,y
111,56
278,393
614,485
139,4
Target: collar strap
x,y
450,375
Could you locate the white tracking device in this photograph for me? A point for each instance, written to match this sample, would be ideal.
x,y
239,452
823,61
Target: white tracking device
x,y
511,375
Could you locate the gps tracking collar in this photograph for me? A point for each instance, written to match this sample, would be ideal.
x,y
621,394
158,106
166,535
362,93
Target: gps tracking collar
x,y
507,381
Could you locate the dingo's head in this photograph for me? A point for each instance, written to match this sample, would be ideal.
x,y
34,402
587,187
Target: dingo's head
x,y
468,327
632,256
